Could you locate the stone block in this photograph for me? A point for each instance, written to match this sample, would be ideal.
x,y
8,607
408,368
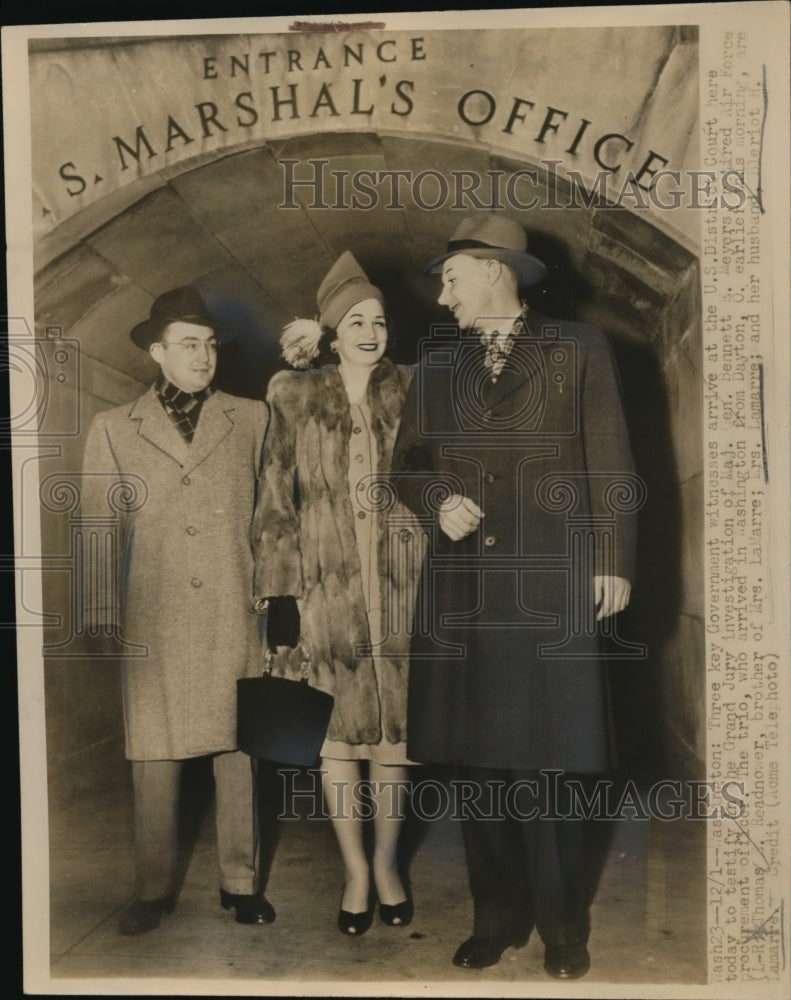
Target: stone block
x,y
683,317
673,97
373,229
103,333
67,233
637,54
72,285
159,244
691,546
234,192
684,684
685,391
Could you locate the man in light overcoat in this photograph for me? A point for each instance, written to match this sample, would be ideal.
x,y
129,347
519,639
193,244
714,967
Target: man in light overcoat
x,y
175,471
513,451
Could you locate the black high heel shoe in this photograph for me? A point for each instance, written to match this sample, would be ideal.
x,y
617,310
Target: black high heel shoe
x,y
355,924
398,915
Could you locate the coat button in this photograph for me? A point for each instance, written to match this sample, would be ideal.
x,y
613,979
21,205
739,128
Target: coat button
x,y
357,430
186,480
196,582
489,541
405,534
192,531
361,514
358,458
488,478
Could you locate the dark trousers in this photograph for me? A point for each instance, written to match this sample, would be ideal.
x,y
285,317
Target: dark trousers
x,y
526,872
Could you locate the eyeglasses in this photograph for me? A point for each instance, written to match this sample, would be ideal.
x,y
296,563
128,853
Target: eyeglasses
x,y
191,345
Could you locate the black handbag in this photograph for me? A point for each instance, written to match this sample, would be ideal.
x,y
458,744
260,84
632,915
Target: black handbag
x,y
282,720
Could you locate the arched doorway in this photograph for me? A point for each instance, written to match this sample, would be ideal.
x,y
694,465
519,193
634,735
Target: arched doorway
x,y
256,229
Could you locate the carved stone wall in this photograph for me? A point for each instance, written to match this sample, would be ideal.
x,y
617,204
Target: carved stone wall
x,y
168,176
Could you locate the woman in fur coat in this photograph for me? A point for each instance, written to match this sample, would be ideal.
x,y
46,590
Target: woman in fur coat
x,y
337,563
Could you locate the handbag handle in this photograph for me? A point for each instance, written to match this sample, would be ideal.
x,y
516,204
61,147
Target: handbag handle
x,y
269,659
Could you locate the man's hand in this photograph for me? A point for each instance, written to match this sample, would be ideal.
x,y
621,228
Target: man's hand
x,y
610,595
459,516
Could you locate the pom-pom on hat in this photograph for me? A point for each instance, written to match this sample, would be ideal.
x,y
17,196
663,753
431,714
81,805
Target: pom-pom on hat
x,y
493,236
299,342
344,285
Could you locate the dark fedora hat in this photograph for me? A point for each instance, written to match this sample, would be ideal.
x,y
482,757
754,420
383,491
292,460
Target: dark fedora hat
x,y
492,236
179,304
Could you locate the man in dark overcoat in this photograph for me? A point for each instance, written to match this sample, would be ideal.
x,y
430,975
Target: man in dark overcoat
x,y
514,453
173,473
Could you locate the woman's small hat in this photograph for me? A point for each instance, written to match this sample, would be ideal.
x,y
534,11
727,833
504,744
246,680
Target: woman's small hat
x,y
179,304
344,285
492,236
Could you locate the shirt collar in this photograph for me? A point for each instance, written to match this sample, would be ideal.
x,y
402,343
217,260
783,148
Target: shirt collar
x,y
518,326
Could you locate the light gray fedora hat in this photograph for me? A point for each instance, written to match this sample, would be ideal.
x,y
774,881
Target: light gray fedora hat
x,y
493,236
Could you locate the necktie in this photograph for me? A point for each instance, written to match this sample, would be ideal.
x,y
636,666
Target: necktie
x,y
497,350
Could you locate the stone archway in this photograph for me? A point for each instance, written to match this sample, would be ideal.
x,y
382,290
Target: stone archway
x,y
215,220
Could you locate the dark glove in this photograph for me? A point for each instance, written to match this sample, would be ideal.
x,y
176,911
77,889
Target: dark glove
x,y
282,622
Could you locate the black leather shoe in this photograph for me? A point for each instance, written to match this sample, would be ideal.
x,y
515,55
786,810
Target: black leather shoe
x,y
481,952
397,915
566,961
354,924
144,915
249,909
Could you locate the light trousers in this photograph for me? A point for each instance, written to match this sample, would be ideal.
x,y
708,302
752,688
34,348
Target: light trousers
x,y
157,786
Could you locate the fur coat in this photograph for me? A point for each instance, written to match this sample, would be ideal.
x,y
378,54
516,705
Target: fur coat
x,y
305,546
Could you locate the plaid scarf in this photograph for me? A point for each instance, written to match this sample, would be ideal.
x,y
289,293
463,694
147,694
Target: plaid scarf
x,y
183,408
499,345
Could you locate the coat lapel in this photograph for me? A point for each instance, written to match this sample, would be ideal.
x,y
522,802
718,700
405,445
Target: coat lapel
x,y
527,368
386,393
156,427
214,424
387,389
334,428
